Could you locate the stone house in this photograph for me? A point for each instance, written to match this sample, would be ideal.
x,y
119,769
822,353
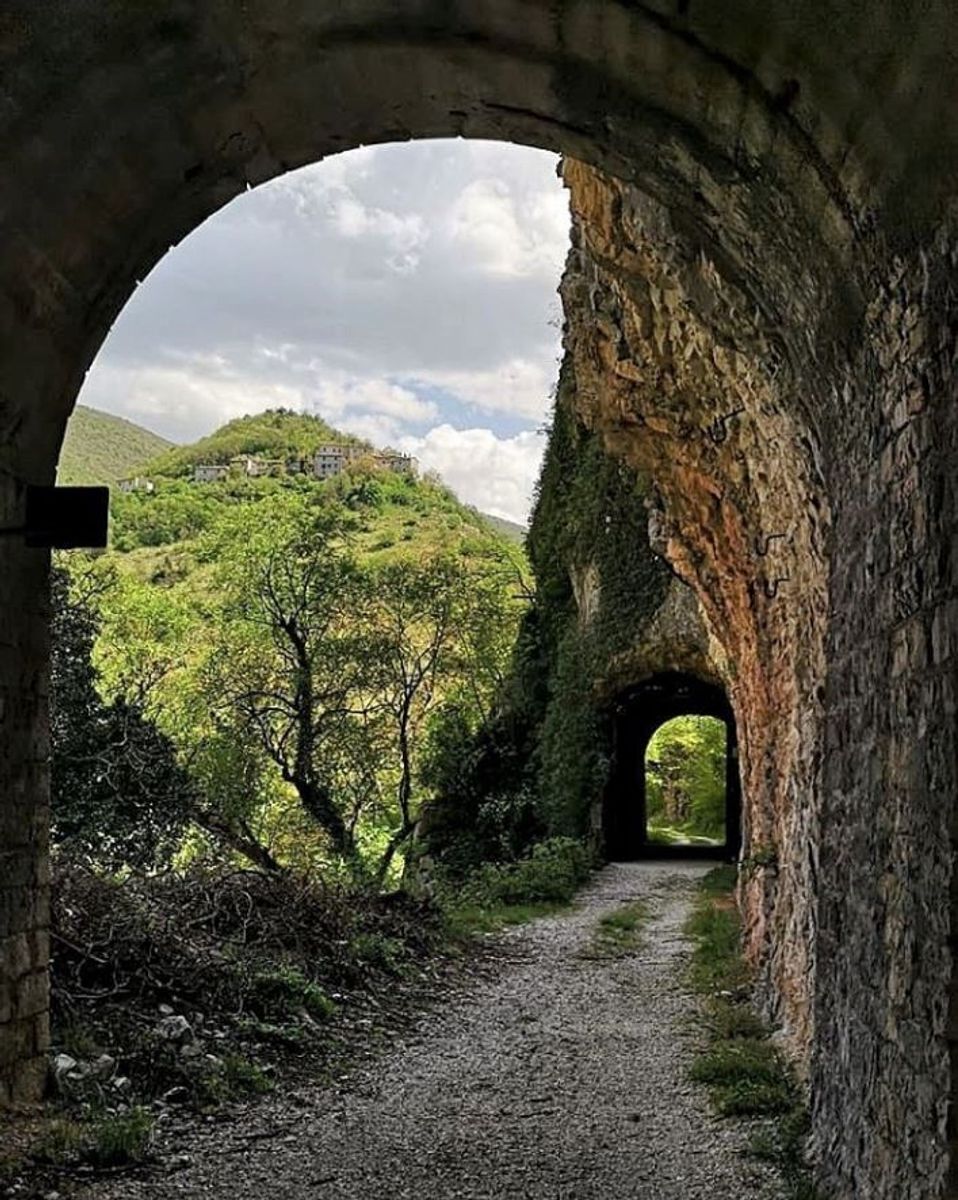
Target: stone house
x,y
209,472
139,483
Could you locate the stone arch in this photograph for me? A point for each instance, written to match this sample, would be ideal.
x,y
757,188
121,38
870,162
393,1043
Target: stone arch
x,y
637,715
787,216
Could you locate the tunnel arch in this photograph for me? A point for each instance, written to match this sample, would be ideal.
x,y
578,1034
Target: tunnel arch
x,y
637,715
710,121
788,216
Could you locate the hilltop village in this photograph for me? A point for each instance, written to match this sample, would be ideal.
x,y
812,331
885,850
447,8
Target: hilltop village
x,y
328,461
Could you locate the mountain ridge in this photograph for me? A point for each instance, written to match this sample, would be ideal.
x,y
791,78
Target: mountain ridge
x,y
100,448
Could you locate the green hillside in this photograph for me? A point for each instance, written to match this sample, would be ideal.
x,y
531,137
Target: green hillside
x,y
384,581
510,530
100,448
277,433
157,535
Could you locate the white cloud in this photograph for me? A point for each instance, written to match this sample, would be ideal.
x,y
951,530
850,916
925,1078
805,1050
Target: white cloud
x,y
507,233
335,394
379,430
353,219
184,401
495,474
191,396
520,387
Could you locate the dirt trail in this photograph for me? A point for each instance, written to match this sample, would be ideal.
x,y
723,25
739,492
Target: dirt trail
x,y
561,1077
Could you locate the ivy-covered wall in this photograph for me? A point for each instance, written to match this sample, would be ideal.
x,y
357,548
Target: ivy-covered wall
x,y
598,586
608,612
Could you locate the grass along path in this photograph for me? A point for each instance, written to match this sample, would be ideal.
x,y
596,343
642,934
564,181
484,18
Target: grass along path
x,y
746,1073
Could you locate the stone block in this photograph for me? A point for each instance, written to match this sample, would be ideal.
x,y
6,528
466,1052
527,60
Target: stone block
x,y
19,909
31,995
29,1083
17,1043
17,956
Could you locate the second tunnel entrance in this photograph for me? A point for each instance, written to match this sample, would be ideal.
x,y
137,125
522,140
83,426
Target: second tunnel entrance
x,y
631,824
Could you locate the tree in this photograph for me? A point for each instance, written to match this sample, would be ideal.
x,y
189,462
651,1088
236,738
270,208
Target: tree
x,y
289,663
335,669
118,794
414,614
150,648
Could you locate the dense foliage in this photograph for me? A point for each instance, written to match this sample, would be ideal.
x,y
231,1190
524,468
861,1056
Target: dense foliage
x,y
296,648
119,795
685,780
540,765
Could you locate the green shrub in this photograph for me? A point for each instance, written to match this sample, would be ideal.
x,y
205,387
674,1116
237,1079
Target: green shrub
x,y
110,1140
552,871
281,991
121,1139
380,951
234,1075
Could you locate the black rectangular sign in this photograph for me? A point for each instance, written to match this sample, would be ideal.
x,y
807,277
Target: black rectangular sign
x,y
67,518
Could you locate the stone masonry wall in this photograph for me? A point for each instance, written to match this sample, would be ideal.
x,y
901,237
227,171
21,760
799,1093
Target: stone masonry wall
x,y
24,879
816,525
886,848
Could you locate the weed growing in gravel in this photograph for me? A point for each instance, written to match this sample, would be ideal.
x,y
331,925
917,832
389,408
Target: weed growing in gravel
x,y
121,1139
110,1140
783,1145
745,1072
747,1077
466,919
619,933
234,1076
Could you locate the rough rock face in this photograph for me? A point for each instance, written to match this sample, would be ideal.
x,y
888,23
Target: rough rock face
x,y
675,638
798,501
668,367
609,614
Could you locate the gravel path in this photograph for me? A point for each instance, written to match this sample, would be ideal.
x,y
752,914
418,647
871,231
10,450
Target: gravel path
x,y
558,1077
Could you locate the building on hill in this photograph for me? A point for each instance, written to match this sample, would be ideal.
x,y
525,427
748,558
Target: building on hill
x,y
328,461
256,468
210,472
402,464
139,483
332,459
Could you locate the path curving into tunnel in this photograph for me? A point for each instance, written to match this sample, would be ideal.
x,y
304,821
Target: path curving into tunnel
x,y
558,1077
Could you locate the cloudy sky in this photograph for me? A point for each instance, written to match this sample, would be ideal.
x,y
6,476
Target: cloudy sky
x,y
406,293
